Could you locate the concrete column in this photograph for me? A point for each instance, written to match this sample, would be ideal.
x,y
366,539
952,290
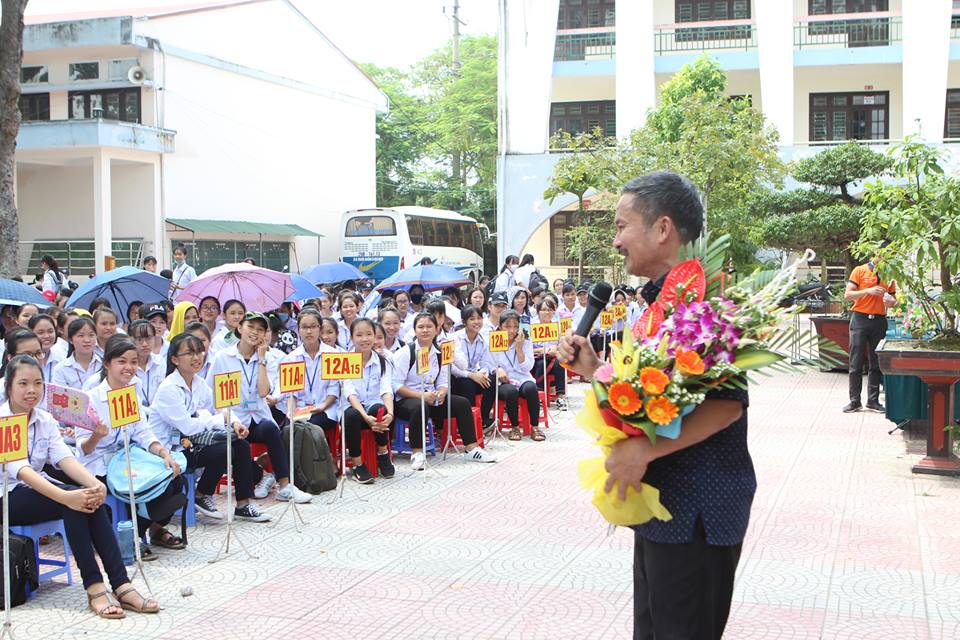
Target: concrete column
x,y
636,74
774,22
154,236
102,213
926,56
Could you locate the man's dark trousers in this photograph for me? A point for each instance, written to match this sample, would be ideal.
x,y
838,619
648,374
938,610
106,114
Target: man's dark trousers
x,y
866,332
682,591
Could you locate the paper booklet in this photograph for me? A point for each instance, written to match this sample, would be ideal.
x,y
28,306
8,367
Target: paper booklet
x,y
71,407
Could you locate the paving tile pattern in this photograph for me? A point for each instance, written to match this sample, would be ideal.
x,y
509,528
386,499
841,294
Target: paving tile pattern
x,y
844,543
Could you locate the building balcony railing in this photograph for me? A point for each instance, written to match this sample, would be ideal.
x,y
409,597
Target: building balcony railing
x,y
848,30
585,44
955,27
94,132
703,36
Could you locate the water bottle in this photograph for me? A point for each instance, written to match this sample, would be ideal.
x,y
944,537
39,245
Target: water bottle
x,y
125,541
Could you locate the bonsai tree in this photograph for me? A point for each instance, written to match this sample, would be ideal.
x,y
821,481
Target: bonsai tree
x,y
912,227
825,216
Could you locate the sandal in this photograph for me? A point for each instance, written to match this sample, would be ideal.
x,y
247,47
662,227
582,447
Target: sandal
x,y
537,435
147,554
515,434
144,607
102,611
167,540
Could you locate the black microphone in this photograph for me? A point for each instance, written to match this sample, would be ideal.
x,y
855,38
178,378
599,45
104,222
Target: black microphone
x,y
597,301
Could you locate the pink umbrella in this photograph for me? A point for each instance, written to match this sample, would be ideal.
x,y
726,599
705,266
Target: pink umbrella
x,y
257,288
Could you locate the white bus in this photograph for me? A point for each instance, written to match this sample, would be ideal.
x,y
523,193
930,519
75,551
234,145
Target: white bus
x,y
381,242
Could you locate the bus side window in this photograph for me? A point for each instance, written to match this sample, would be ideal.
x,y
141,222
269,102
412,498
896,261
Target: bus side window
x,y
443,233
415,230
429,237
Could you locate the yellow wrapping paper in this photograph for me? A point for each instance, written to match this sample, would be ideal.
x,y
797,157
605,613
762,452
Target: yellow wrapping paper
x,y
640,506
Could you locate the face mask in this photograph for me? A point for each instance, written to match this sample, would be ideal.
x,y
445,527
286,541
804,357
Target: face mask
x,y
179,261
283,316
416,298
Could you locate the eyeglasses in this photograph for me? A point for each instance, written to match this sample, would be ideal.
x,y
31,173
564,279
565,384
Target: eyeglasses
x,y
210,307
38,355
190,354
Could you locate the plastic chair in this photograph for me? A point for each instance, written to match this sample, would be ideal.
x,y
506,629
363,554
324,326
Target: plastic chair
x,y
401,443
37,531
457,440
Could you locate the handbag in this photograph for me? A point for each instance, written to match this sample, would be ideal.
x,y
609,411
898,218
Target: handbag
x,y
151,476
211,437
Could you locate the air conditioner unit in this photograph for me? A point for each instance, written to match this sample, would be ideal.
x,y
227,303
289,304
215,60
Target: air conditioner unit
x,y
137,75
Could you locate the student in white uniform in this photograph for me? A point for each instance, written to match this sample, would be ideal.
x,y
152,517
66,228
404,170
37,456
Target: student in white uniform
x,y
496,307
233,313
521,276
210,314
370,401
569,307
322,395
199,330
20,341
34,498
81,363
349,303
96,448
390,320
409,387
183,273
546,311
105,320
184,407
330,333
505,278
248,357
478,298
151,368
473,364
514,366
45,328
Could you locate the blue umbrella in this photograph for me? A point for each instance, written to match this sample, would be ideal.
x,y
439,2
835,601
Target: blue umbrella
x,y
328,272
429,276
121,287
303,289
18,293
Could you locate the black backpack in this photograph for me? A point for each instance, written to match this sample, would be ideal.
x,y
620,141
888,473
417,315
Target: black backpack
x,y
314,470
537,278
23,569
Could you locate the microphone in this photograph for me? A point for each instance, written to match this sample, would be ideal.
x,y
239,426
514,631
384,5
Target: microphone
x,y
597,301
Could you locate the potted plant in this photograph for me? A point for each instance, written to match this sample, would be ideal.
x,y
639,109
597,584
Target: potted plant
x,y
912,227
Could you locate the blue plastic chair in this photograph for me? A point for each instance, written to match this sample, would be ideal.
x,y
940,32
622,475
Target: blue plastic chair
x,y
401,440
37,531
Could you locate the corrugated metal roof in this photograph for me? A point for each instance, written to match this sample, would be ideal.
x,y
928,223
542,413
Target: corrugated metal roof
x,y
240,226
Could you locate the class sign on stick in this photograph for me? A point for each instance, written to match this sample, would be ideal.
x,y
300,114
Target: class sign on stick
x,y
423,361
13,438
499,341
619,312
446,352
606,319
226,389
293,376
565,325
124,406
341,366
544,332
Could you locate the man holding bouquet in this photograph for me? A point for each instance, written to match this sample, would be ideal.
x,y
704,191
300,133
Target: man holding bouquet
x,y
683,567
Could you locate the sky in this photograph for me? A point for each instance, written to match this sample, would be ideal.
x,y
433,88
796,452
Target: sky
x,y
384,32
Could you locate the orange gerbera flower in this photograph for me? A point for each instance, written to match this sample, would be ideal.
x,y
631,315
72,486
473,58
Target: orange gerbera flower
x,y
661,411
653,380
624,399
689,362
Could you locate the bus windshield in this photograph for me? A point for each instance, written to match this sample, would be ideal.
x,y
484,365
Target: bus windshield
x,y
370,226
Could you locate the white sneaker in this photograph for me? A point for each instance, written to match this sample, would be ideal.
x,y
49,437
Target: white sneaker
x,y
480,455
262,490
286,493
418,461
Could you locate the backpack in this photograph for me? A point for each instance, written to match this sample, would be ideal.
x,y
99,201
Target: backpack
x,y
23,569
151,477
537,278
314,471
413,359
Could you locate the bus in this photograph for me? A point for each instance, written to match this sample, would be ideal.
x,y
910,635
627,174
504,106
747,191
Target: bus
x,y
382,241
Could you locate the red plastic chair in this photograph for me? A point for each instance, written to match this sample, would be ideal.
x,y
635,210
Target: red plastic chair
x,y
368,450
457,440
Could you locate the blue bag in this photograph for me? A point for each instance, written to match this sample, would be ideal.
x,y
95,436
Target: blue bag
x,y
151,476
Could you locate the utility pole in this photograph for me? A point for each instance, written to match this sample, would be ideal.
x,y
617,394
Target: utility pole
x,y
455,163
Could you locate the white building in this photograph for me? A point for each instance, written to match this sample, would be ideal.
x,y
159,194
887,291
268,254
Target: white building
x,y
821,70
207,117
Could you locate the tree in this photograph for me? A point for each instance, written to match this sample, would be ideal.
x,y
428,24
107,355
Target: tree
x,y
11,56
825,217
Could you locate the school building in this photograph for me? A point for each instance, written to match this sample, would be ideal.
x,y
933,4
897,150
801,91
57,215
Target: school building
x,y
236,127
822,71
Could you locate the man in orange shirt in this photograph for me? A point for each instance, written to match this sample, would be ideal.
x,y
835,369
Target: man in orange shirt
x,y
868,325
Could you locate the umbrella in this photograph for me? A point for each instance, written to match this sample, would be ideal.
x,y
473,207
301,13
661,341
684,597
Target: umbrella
x,y
303,289
328,272
18,293
429,276
257,288
121,287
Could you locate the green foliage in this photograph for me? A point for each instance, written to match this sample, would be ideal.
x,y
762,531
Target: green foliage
x,y
919,215
703,80
838,166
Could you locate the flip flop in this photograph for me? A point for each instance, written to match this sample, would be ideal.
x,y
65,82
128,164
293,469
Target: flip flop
x,y
167,540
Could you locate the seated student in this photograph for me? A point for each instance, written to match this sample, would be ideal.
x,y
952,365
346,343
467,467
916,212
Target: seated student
x,y
478,298
546,311
45,328
210,314
513,373
389,319
184,313
233,313
34,498
409,387
82,363
151,368
156,315
133,313
520,303
569,308
349,303
322,395
495,308
96,448
105,320
184,407
274,357
370,404
473,364
20,341
438,309
199,330
248,356
330,333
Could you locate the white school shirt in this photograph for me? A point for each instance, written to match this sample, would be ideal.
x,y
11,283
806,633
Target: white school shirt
x,y
522,275
140,433
316,389
183,275
69,373
504,281
344,339
222,339
405,375
252,406
44,444
150,378
274,357
179,409
397,345
60,348
634,311
51,282
517,372
471,356
50,362
371,388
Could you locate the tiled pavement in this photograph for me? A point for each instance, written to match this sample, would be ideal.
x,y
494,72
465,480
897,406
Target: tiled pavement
x,y
845,543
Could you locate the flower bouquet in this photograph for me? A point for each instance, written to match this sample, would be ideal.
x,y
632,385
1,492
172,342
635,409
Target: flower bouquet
x,y
699,335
